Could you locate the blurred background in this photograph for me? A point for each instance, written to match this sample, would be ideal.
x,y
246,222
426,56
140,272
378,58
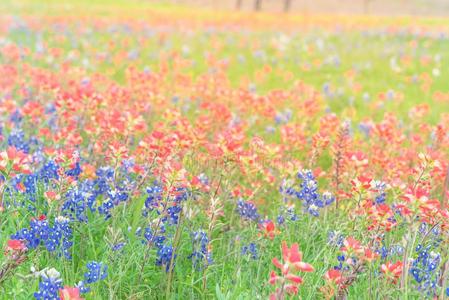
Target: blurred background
x,y
425,8
381,7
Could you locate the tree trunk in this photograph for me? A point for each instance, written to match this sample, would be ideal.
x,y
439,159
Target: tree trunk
x,y
238,4
258,5
366,6
287,4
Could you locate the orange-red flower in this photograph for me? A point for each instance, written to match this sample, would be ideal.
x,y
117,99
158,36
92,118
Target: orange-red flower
x,y
269,229
392,271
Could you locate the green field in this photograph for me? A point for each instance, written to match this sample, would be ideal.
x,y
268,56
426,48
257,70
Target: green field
x,y
271,94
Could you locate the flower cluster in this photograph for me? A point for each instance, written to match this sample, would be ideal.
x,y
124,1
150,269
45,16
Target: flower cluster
x,y
247,210
394,250
425,269
352,262
308,193
49,286
96,271
15,254
166,257
56,238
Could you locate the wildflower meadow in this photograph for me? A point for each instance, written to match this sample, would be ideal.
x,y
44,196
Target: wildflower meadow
x,y
163,151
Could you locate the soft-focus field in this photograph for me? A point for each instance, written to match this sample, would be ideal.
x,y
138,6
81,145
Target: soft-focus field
x,y
160,152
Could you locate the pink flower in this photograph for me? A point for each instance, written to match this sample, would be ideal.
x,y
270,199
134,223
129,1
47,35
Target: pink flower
x,y
15,245
70,293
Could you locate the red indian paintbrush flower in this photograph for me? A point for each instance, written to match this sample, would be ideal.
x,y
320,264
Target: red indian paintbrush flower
x,y
292,257
292,261
14,161
392,271
268,228
15,245
352,246
70,293
334,283
333,275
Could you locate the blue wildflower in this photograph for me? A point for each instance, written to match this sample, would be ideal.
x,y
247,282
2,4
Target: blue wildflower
x,y
247,210
381,194
250,250
165,255
157,240
49,171
335,239
154,197
201,256
56,237
49,288
287,214
308,194
17,139
96,271
425,269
